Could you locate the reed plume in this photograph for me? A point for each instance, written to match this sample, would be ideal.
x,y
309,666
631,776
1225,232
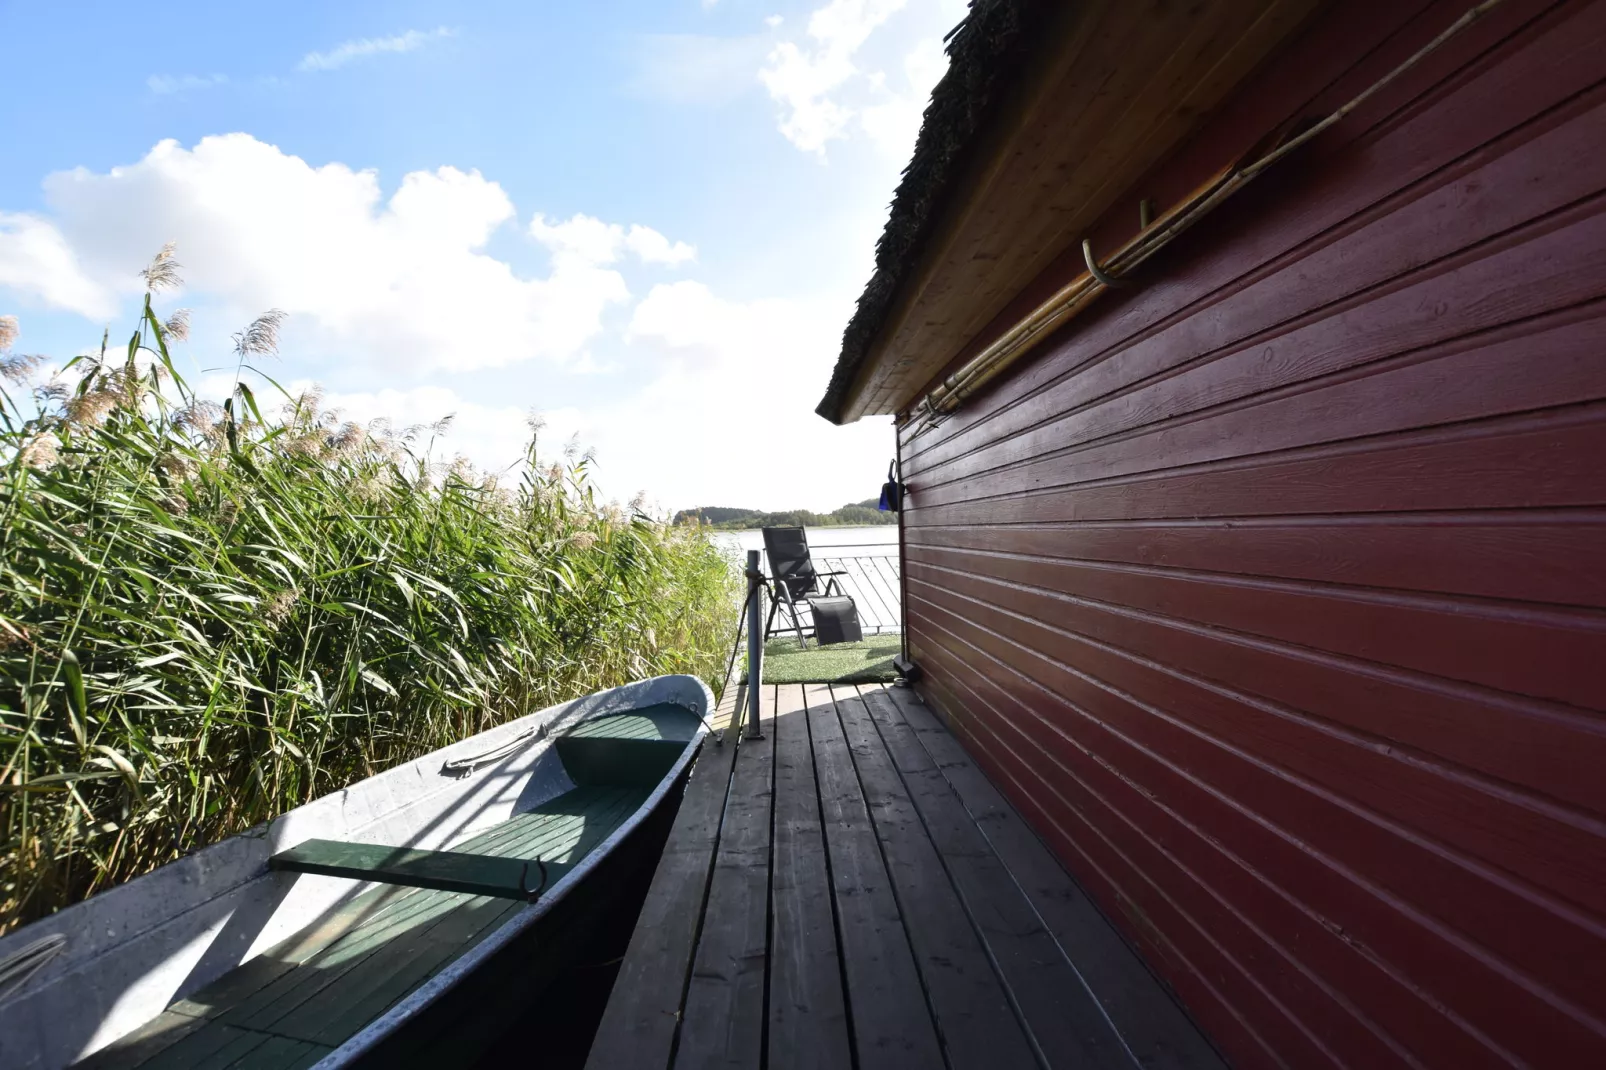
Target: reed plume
x,y
261,338
252,612
177,327
162,272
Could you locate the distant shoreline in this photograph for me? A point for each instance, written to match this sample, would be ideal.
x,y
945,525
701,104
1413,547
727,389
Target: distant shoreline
x,y
738,526
726,518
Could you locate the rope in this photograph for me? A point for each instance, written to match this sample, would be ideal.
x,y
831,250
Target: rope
x,y
18,968
501,750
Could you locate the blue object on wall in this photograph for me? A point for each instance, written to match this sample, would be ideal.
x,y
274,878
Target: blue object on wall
x,y
892,491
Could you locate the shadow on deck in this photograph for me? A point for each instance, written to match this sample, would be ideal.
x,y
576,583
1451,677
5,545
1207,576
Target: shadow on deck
x,y
852,891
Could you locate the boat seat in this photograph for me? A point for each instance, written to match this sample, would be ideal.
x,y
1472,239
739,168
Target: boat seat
x,y
292,1005
624,750
446,871
632,749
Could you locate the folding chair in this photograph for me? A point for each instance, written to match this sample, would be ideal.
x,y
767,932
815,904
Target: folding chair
x,y
793,580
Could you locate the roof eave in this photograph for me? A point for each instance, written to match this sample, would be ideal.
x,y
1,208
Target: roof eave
x,y
987,57
1109,88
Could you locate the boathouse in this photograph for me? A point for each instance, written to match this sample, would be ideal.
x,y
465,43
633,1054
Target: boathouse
x,y
1248,361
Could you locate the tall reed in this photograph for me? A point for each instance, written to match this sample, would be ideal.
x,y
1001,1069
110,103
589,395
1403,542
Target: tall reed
x,y
209,616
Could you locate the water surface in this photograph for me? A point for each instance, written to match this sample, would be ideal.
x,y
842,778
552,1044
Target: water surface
x,y
879,539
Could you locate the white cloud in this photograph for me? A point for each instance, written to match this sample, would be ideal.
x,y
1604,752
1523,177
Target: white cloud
x,y
406,281
827,77
827,88
366,47
169,84
688,433
591,241
37,261
493,436
802,78
688,316
894,122
737,391
686,439
653,248
383,290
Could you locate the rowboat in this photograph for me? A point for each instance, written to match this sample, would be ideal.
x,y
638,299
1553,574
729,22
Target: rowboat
x,y
401,921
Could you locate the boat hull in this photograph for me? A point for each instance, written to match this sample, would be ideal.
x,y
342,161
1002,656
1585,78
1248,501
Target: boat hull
x,y
133,950
476,1013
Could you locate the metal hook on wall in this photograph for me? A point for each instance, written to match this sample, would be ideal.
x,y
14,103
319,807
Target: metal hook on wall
x,y
1093,267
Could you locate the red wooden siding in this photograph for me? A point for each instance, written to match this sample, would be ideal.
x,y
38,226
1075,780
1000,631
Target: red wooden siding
x,y
1274,589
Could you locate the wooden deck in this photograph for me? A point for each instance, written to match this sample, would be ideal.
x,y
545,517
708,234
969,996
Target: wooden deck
x,y
851,891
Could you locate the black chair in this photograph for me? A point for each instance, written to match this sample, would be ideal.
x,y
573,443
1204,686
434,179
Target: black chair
x,y
793,579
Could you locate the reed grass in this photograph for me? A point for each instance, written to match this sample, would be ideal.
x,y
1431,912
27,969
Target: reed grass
x,y
209,616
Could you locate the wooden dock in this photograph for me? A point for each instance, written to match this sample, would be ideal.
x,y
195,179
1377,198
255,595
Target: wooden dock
x,y
851,891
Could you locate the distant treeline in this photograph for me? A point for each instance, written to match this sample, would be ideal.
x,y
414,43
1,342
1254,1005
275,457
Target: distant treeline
x,y
866,512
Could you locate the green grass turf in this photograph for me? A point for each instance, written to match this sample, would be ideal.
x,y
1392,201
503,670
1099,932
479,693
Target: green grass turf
x,y
866,662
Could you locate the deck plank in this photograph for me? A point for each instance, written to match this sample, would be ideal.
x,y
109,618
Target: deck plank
x,y
1153,1026
203,1046
807,1016
211,1049
567,837
1066,1022
583,818
279,1053
345,957
639,1025
723,1024
914,918
975,1020
235,1002
333,1012
144,1044
892,1025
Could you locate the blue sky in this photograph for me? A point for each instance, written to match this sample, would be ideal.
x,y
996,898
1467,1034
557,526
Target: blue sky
x,y
645,221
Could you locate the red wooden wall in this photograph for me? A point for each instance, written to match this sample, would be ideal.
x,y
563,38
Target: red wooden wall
x,y
1272,589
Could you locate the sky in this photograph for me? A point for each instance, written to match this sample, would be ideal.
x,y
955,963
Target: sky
x,y
644,223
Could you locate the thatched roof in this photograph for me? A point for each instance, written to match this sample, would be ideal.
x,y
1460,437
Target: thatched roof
x,y
986,54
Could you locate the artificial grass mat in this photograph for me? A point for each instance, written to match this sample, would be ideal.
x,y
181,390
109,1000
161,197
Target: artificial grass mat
x,y
865,662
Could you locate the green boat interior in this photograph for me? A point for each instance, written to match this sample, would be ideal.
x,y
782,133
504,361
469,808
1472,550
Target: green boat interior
x,y
292,1005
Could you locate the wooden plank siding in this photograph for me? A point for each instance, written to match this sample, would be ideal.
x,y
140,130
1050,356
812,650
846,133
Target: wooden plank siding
x,y
1272,590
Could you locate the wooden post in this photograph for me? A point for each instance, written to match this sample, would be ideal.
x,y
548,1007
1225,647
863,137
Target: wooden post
x,y
755,643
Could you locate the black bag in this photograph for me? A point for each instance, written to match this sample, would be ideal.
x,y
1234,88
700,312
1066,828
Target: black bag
x,y
892,491
836,620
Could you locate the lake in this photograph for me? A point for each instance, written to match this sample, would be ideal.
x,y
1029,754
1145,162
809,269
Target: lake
x,y
867,557
882,538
